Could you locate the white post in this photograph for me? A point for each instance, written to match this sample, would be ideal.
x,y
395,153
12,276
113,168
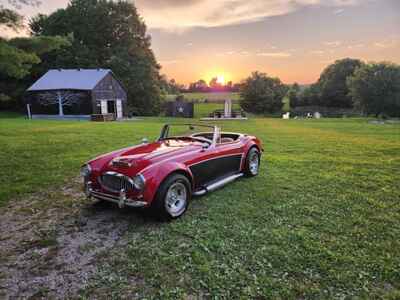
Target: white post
x,y
28,108
119,109
228,108
60,104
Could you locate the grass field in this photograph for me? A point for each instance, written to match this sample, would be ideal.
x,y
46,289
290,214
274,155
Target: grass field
x,y
322,219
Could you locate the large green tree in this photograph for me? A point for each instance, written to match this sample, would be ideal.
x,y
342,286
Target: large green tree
x,y
19,56
14,62
108,34
262,94
375,88
332,87
310,96
293,95
20,60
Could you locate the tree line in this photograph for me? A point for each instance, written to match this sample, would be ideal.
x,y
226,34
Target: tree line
x,y
213,86
199,86
86,34
368,88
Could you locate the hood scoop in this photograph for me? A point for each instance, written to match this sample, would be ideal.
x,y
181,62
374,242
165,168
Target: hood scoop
x,y
122,162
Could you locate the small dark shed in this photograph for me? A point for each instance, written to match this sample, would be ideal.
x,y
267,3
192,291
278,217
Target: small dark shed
x,y
179,109
77,93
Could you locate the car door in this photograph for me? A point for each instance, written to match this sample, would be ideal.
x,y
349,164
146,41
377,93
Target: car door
x,y
216,162
203,166
230,157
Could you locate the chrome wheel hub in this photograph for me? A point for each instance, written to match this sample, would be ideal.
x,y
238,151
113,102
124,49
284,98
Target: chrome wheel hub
x,y
254,163
176,198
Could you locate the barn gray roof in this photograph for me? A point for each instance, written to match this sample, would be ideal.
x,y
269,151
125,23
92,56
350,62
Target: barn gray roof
x,y
80,79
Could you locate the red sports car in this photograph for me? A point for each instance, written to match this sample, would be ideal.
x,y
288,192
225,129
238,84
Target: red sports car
x,y
165,174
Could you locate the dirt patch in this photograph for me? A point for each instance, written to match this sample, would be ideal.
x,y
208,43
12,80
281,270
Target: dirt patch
x,y
50,241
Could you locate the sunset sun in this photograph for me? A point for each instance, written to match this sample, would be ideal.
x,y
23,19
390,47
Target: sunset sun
x,y
221,79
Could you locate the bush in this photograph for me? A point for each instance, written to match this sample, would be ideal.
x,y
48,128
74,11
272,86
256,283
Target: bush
x,y
262,94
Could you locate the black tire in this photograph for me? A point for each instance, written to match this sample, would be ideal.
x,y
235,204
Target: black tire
x,y
172,185
253,156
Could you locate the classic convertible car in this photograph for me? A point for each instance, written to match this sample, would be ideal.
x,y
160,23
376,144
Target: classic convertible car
x,y
165,174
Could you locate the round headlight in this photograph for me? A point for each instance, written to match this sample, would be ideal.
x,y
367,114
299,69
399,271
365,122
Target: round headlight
x,y
139,182
86,170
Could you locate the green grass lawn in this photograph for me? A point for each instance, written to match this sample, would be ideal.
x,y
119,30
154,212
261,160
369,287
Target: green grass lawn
x,y
322,219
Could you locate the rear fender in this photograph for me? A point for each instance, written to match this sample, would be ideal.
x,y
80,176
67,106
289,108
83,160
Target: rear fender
x,y
253,143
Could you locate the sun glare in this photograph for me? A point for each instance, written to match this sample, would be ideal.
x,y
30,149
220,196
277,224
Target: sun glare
x,y
221,79
221,75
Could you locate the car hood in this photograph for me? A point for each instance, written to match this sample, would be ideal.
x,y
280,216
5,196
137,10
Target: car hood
x,y
132,160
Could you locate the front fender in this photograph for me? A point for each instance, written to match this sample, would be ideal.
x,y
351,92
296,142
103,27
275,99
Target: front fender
x,y
155,175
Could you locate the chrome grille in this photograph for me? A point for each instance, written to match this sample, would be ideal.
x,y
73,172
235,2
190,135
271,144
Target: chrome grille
x,y
115,182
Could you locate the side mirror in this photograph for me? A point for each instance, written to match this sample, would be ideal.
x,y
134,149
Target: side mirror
x,y
204,146
145,141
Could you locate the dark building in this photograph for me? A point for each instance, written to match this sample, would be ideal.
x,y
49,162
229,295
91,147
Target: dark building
x,y
77,94
179,109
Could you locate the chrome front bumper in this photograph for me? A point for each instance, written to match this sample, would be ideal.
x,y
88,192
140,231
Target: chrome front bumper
x,y
121,200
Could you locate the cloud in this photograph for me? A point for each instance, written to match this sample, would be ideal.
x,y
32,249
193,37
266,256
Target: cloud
x,y
178,15
385,44
270,46
275,54
381,45
317,52
338,11
333,43
170,62
355,46
8,33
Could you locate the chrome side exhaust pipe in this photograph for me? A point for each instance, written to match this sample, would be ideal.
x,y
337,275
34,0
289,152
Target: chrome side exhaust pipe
x,y
217,185
223,182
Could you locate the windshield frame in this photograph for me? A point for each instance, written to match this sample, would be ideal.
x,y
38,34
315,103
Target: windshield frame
x,y
166,127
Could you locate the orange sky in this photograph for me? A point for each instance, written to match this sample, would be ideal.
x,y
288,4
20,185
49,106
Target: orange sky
x,y
291,39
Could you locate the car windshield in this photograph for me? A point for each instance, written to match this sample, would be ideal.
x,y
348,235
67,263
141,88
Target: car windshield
x,y
202,133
